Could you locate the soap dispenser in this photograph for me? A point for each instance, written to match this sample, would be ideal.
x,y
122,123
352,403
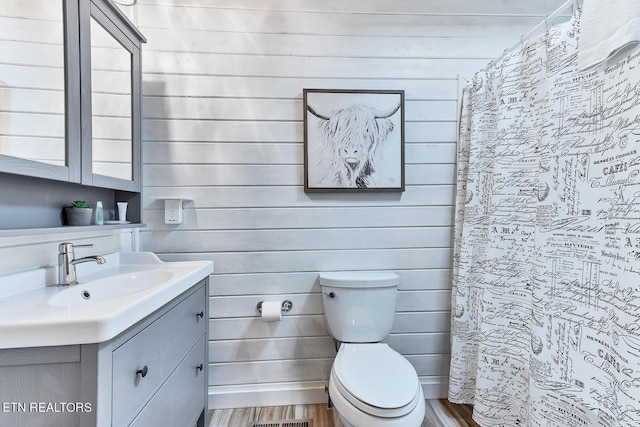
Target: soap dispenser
x,y
99,213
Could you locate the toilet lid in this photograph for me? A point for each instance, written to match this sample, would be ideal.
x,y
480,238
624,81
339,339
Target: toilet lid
x,y
376,375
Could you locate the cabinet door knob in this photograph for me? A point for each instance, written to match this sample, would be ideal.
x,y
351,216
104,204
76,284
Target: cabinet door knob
x,y
200,367
142,372
200,315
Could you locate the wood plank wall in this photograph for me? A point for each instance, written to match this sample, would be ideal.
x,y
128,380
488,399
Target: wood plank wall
x,y
222,83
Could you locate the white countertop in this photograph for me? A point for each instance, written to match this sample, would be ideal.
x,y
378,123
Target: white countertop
x,y
29,319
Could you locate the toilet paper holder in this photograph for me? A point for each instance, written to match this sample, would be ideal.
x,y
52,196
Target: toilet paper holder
x,y
286,306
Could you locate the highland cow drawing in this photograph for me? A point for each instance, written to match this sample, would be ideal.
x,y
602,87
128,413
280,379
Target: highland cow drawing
x,y
354,140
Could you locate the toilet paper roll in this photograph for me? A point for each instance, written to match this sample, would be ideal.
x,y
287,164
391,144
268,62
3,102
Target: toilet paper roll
x,y
272,311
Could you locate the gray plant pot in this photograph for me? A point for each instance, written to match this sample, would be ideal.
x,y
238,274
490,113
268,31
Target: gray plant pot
x,y
79,216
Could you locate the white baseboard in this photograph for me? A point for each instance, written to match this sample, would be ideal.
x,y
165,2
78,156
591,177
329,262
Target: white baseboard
x,y
296,393
435,387
271,394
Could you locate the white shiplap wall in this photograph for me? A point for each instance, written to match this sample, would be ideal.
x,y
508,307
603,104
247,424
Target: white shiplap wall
x,y
222,83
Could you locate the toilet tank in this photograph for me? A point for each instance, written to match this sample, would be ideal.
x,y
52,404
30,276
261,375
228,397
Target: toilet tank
x,y
359,306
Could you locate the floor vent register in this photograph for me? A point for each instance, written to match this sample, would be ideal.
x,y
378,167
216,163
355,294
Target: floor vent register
x,y
283,423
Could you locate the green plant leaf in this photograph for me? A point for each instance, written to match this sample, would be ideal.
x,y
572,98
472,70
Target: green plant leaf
x,y
80,204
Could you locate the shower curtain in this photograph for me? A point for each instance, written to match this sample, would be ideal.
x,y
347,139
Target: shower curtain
x,y
546,275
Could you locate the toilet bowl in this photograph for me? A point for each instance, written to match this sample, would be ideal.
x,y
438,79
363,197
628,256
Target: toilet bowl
x,y
370,385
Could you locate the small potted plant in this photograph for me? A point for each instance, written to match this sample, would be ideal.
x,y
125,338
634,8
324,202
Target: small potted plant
x,y
79,213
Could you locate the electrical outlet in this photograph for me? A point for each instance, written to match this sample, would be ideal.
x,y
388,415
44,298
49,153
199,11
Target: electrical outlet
x,y
173,211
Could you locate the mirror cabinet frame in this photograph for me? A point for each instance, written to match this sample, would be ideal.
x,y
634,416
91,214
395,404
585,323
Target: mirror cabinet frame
x,y
109,17
77,64
71,171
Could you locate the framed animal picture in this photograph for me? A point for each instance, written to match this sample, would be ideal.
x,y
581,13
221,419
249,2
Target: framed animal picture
x,y
353,140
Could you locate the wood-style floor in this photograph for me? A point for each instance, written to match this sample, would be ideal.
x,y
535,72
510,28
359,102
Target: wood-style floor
x,y
439,413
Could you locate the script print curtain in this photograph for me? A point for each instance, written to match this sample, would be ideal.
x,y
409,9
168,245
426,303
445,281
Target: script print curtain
x,y
546,275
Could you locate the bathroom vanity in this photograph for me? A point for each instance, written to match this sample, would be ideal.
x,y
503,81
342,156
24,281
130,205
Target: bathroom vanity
x,y
151,373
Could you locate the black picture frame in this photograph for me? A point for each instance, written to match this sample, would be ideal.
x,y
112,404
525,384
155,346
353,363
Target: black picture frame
x,y
353,140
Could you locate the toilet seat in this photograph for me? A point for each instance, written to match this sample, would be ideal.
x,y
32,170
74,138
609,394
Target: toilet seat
x,y
376,379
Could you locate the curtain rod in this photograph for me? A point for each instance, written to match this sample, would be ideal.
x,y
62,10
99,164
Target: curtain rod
x,y
547,22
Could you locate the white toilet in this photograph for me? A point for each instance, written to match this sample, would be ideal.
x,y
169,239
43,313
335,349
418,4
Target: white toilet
x,y
371,385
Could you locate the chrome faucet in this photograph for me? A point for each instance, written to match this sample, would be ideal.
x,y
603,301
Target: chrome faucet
x,y
67,263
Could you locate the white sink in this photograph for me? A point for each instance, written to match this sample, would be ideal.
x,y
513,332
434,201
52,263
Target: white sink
x,y
109,299
110,288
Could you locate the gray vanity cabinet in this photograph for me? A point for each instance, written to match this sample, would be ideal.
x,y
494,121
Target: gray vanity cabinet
x,y
33,378
163,346
153,374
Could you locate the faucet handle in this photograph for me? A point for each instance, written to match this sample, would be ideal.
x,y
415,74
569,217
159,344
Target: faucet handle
x,y
67,247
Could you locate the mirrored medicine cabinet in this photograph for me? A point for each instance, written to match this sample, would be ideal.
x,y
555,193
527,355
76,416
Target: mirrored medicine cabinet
x,y
70,96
